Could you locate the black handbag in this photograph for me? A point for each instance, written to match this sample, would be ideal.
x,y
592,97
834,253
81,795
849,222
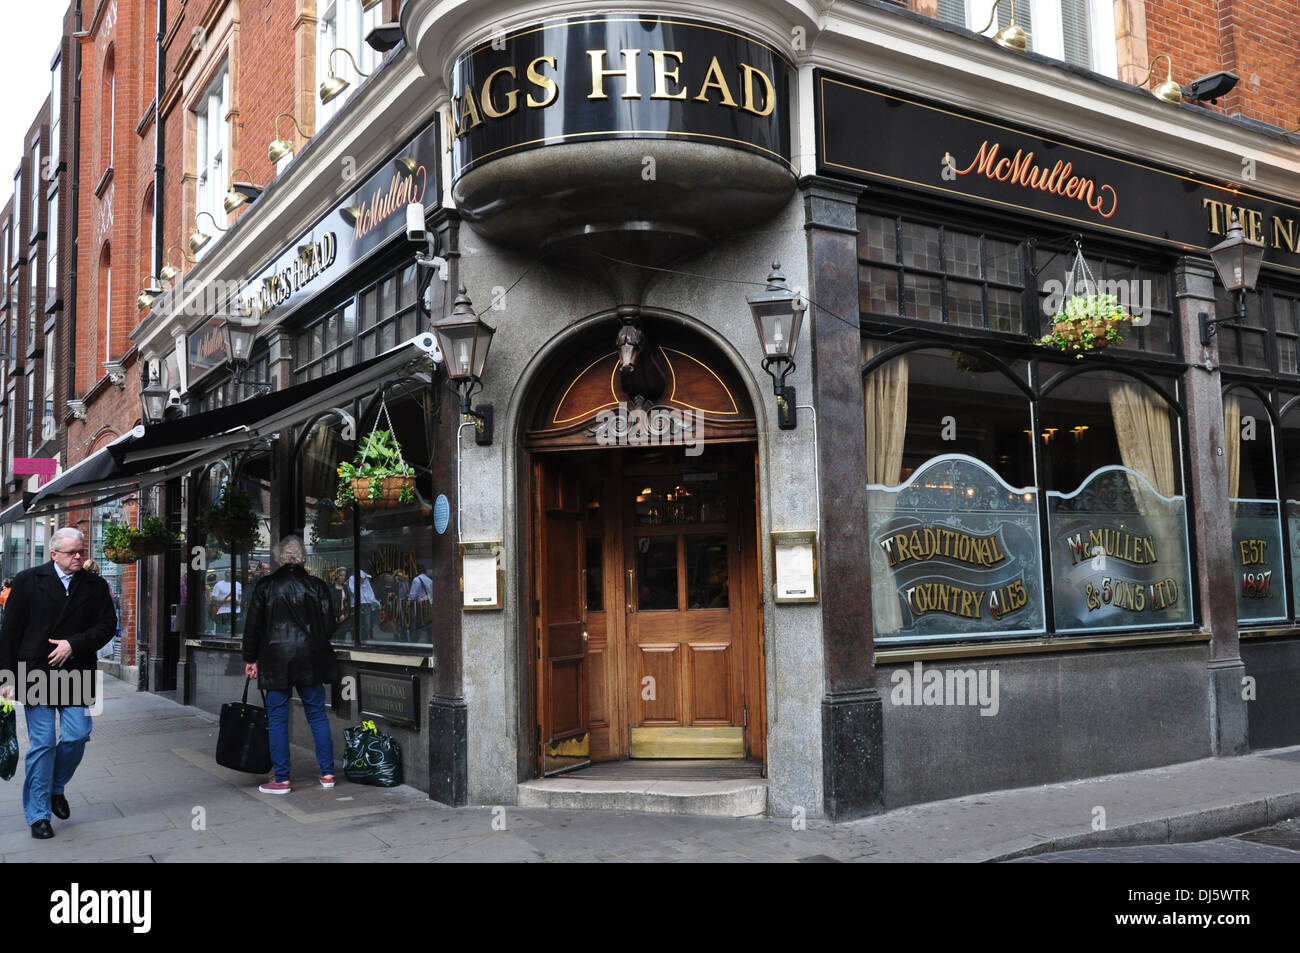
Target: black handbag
x,y
243,743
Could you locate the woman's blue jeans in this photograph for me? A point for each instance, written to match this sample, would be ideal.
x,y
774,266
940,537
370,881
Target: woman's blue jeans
x,y
313,704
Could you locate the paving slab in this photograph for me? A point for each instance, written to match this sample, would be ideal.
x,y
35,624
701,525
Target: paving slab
x,y
149,766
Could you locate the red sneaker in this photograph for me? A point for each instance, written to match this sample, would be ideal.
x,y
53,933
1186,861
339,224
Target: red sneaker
x,y
327,781
274,787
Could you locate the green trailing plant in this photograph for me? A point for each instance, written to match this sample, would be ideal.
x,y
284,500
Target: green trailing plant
x,y
232,519
123,544
153,527
152,537
117,543
378,457
970,364
1087,323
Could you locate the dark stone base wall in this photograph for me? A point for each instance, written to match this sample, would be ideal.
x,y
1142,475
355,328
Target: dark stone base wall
x,y
852,765
1060,717
448,750
218,677
1274,714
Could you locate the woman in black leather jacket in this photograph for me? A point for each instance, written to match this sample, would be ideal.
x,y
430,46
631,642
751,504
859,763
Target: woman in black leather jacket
x,y
287,632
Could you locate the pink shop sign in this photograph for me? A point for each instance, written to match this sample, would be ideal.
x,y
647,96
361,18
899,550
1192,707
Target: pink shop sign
x,y
44,467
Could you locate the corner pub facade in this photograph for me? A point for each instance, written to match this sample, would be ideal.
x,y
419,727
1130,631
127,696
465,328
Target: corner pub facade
x,y
970,564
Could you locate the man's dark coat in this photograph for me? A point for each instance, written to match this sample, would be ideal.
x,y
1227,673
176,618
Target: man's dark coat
x,y
39,609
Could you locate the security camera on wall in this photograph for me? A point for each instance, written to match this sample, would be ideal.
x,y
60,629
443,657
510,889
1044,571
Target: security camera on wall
x,y
174,409
416,232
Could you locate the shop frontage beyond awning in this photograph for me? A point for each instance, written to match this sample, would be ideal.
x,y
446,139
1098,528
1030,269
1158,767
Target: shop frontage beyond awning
x,y
147,456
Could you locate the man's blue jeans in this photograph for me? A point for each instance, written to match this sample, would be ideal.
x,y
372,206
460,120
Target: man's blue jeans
x,y
50,765
313,703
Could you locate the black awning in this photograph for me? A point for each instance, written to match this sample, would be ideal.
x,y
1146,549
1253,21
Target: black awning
x,y
12,513
259,417
99,477
151,455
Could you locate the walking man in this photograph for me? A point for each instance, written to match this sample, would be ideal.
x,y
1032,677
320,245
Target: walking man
x,y
286,646
57,618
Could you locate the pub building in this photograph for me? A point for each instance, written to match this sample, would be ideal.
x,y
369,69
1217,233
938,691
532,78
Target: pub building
x,y
764,465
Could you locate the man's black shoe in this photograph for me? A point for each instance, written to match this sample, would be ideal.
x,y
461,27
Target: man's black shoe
x,y
41,830
59,805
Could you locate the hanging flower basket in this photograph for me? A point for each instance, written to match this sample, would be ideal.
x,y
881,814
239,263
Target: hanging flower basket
x,y
123,557
231,520
144,546
377,476
971,364
1087,323
393,491
231,530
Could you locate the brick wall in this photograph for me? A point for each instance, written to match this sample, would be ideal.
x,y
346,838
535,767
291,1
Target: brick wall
x,y
262,44
122,31
1259,40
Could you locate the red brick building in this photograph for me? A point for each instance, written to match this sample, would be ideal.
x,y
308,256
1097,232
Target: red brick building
x,y
1259,41
115,255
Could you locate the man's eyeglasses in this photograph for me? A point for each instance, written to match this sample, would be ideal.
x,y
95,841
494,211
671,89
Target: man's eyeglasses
x,y
71,552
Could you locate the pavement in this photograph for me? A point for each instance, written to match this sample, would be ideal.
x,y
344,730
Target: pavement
x,y
149,791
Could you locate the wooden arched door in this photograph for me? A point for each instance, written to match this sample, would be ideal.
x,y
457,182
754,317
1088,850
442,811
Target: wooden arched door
x,y
644,565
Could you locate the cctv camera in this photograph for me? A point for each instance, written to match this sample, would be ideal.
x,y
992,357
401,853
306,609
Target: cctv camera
x,y
385,36
174,398
415,230
1211,87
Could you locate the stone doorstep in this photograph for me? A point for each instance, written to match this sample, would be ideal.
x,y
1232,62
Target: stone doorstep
x,y
732,798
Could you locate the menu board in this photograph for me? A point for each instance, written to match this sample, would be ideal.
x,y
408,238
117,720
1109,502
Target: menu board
x,y
1119,554
1258,560
955,552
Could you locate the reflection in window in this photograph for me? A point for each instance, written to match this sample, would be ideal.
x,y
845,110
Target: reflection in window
x,y
938,274
924,404
656,572
594,576
1117,522
956,463
689,498
706,572
377,559
1257,547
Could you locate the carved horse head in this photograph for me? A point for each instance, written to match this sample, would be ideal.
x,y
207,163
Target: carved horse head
x,y
641,371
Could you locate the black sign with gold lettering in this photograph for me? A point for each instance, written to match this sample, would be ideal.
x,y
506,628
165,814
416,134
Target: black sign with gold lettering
x,y
873,135
395,698
618,77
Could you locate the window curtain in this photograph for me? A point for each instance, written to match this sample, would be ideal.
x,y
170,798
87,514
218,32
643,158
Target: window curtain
x,y
1143,431
884,401
884,397
1232,437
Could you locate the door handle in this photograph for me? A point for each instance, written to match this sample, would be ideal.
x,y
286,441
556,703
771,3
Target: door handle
x,y
584,635
631,590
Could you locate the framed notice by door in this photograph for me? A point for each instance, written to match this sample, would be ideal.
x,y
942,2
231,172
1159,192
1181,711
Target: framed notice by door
x,y
794,559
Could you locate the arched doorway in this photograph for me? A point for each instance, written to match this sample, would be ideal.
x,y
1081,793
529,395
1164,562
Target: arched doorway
x,y
642,553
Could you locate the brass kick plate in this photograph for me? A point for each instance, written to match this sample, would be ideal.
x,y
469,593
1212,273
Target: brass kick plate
x,y
708,742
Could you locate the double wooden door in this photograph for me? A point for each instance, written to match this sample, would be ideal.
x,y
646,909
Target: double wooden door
x,y
646,612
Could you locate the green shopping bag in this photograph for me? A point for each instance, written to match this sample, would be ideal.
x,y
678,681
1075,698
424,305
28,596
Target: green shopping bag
x,y
8,740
